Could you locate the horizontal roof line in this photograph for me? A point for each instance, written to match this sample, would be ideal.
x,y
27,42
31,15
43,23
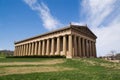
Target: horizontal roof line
x,y
66,27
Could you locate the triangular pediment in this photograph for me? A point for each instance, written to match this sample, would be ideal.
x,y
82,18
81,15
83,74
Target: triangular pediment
x,y
84,29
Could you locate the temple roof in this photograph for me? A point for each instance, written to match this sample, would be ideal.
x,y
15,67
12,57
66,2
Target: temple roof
x,y
82,28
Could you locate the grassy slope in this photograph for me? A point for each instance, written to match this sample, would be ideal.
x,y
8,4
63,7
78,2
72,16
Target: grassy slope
x,y
84,69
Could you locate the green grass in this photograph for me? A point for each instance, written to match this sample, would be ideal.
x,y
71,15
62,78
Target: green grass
x,y
83,69
22,59
2,55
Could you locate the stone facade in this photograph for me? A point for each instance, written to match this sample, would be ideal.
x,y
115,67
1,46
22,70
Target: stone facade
x,y
71,41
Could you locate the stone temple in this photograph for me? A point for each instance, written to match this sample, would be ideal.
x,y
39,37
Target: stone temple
x,y
73,41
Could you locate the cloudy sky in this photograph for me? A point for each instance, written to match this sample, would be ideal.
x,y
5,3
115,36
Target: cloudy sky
x,y
20,19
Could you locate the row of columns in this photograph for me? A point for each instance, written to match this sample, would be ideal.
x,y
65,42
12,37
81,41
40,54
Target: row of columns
x,y
67,45
83,47
42,47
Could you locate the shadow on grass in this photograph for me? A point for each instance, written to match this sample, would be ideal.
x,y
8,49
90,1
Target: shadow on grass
x,y
57,56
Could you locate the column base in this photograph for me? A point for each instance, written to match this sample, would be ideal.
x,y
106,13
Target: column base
x,y
69,57
62,53
56,53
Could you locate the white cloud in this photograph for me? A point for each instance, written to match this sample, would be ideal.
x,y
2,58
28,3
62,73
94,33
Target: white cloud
x,y
49,21
108,37
98,12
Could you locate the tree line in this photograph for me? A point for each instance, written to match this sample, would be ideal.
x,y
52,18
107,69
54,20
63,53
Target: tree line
x,y
6,53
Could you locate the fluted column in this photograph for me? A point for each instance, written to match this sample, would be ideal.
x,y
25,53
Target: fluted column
x,y
32,49
19,50
64,45
39,48
48,50
94,46
69,54
83,47
40,45
87,54
24,50
53,47
90,49
75,46
79,45
27,49
43,48
58,46
35,49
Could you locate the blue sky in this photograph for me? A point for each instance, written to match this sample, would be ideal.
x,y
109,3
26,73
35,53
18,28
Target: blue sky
x,y
20,19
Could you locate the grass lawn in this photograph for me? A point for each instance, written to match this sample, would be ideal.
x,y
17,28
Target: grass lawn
x,y
58,69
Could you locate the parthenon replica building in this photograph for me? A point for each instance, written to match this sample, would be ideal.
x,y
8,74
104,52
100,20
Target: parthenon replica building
x,y
71,41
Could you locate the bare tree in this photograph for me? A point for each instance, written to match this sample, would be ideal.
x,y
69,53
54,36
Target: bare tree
x,y
113,52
